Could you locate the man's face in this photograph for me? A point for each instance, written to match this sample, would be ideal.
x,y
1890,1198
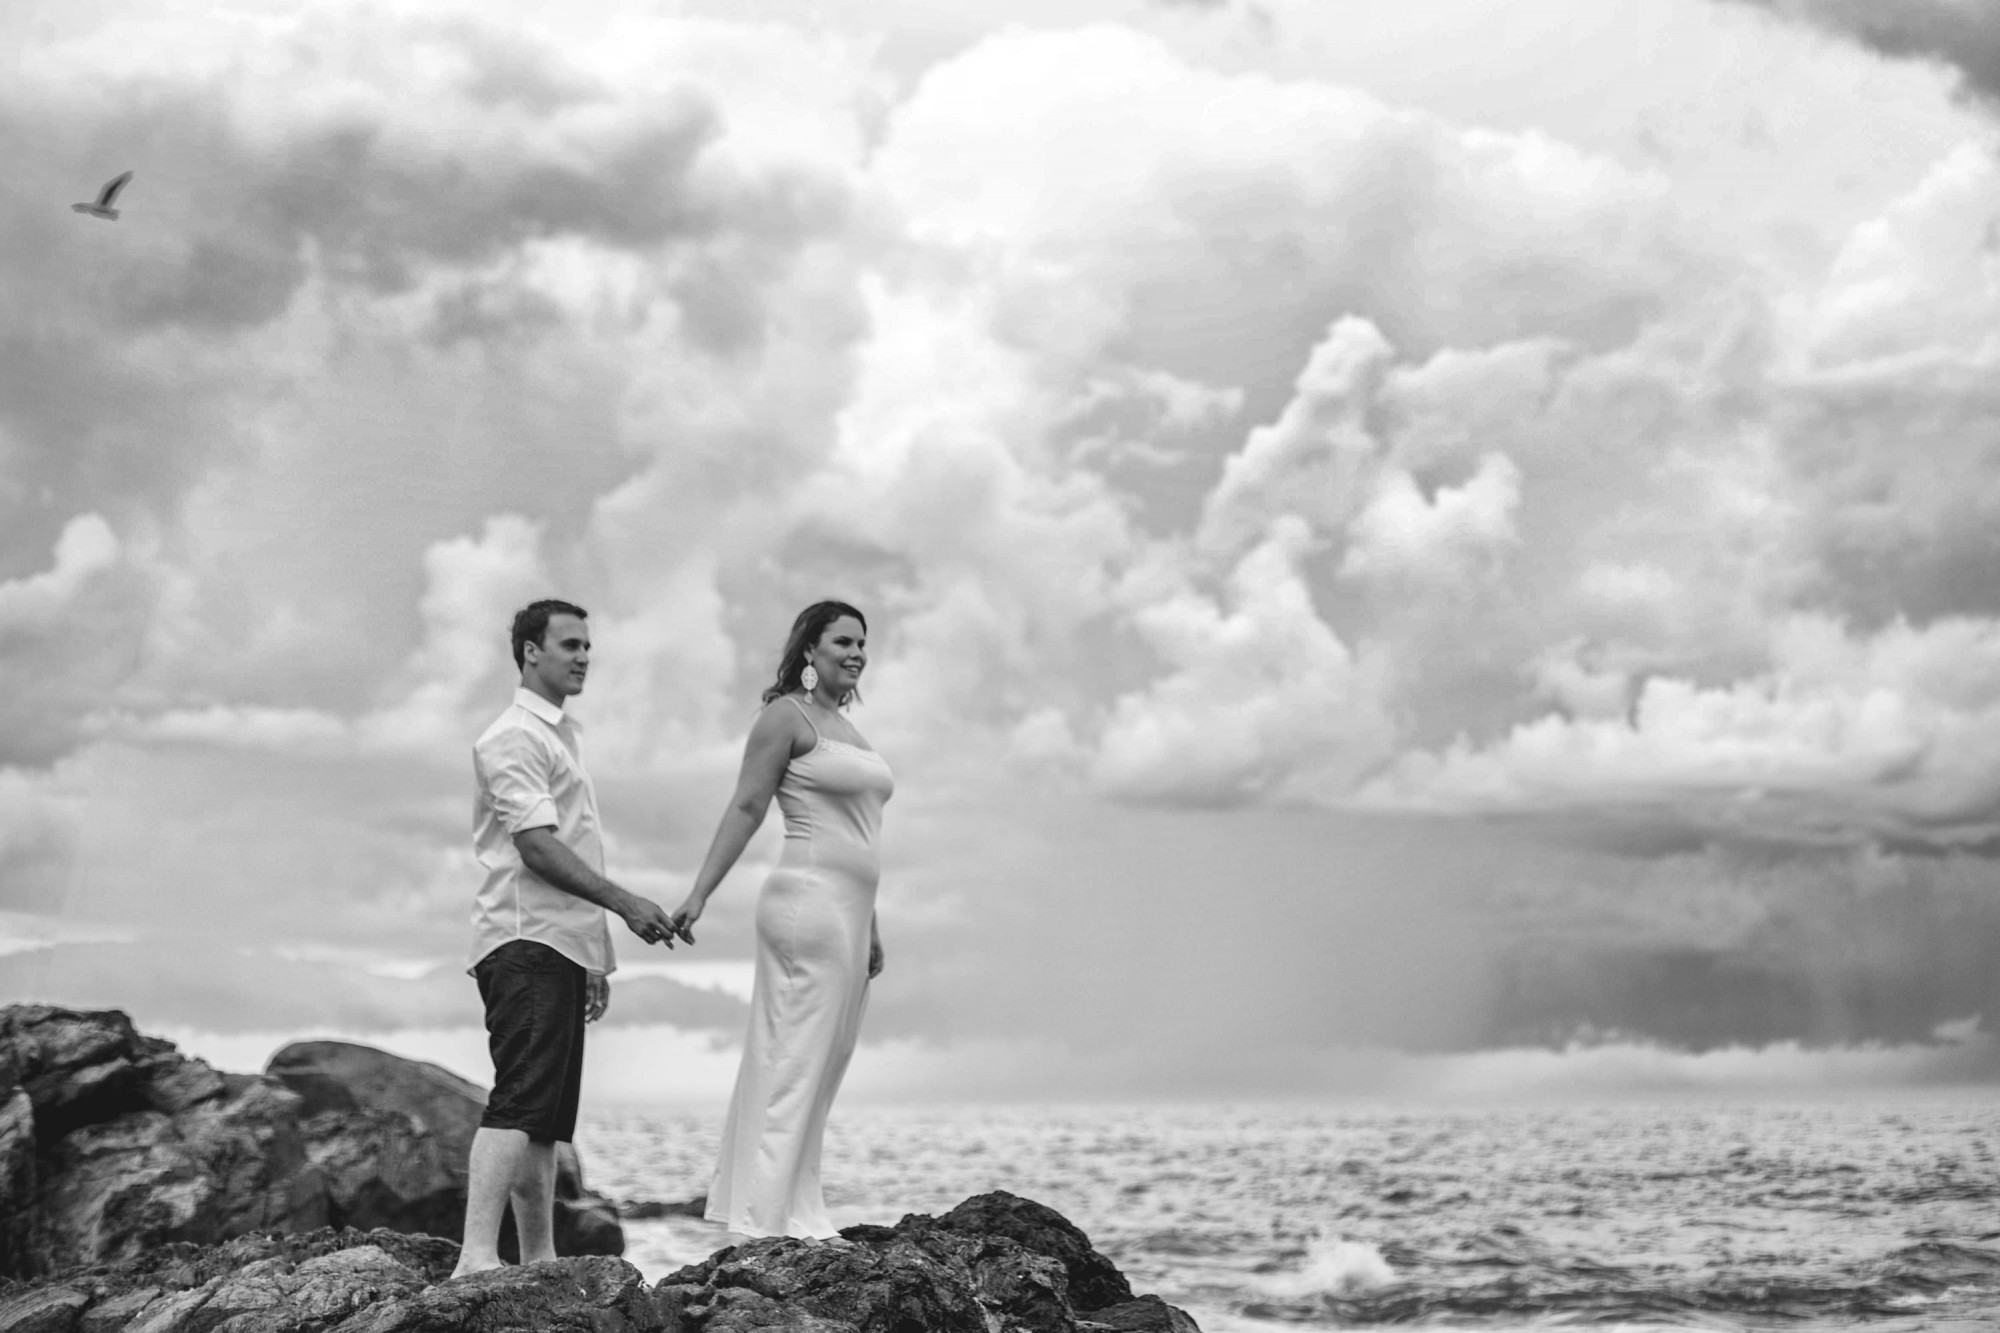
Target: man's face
x,y
559,662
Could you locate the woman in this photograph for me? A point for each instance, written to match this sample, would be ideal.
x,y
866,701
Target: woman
x,y
817,945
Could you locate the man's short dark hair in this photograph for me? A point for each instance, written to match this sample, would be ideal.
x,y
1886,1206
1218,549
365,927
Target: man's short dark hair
x,y
531,622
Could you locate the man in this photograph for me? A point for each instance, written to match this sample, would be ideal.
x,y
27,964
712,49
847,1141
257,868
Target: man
x,y
541,949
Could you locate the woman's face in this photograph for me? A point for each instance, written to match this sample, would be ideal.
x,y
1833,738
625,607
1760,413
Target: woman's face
x,y
840,654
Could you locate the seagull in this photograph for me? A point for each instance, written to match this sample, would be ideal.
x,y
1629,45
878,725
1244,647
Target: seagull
x,y
102,208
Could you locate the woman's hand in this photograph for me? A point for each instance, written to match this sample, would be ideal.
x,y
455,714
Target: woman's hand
x,y
874,956
682,918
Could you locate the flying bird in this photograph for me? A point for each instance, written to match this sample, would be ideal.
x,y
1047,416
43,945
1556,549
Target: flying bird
x,y
102,208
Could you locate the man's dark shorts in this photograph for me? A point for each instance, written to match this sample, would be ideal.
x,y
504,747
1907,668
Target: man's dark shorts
x,y
535,1000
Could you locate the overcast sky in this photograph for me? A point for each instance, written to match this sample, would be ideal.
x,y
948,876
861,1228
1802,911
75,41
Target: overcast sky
x,y
1426,547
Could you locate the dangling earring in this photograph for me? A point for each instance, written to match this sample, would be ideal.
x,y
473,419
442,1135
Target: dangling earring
x,y
809,678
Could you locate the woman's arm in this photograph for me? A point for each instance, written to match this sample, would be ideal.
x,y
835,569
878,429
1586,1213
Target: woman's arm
x,y
772,739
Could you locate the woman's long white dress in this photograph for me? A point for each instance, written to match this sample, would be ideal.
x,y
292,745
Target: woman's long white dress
x,y
813,927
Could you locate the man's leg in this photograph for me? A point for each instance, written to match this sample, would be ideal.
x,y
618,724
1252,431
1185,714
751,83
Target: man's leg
x,y
535,1186
534,1020
534,1199
499,1157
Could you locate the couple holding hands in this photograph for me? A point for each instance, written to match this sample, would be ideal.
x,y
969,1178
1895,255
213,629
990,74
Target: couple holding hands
x,y
542,951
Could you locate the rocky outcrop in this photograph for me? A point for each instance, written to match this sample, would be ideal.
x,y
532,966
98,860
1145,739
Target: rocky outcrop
x,y
113,1144
995,1264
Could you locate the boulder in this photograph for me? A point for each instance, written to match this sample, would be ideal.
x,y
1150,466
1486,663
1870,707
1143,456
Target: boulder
x,y
994,1264
391,1138
112,1143
1094,1281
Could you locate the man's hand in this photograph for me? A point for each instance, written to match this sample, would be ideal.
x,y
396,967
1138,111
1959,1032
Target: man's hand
x,y
596,997
647,919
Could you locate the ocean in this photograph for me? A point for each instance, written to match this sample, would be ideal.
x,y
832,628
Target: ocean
x,y
1870,1215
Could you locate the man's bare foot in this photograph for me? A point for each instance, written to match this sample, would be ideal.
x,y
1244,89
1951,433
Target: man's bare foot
x,y
468,1265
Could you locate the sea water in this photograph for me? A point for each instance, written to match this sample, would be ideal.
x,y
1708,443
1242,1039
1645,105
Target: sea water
x,y
1808,1216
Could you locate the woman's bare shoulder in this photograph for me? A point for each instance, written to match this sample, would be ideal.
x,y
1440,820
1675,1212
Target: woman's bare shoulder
x,y
780,716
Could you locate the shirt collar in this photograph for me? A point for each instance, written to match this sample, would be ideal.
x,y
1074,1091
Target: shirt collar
x,y
550,713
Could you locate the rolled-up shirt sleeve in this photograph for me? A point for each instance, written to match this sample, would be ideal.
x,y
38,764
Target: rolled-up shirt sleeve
x,y
514,771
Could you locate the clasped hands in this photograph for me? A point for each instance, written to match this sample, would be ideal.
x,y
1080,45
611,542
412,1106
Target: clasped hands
x,y
653,924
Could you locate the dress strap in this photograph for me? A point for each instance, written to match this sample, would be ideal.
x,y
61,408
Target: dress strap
x,y
807,716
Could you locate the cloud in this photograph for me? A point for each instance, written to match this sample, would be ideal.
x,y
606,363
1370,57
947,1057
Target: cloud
x,y
1295,522
1963,35
1258,693
39,832
1845,739
86,546
1448,536
74,632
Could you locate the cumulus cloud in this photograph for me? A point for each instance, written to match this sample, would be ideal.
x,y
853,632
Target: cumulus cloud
x,y
1448,536
1845,739
86,546
1259,692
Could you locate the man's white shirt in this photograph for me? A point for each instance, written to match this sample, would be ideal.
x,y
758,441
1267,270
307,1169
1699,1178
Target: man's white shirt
x,y
529,774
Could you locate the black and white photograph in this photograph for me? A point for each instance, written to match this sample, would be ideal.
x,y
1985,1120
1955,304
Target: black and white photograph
x,y
888,666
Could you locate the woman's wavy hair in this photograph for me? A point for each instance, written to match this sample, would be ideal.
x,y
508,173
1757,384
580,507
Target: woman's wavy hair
x,y
806,631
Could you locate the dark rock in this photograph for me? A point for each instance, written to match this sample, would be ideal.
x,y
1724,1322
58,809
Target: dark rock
x,y
586,1222
914,1277
389,1136
344,1076
1094,1281
47,1310
649,1209
750,1312
20,1219
113,1145
74,1071
586,1294
308,1280
1146,1314
114,1313
994,1264
870,1287
128,1145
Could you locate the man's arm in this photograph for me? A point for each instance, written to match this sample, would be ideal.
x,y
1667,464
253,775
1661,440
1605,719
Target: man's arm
x,y
560,868
513,772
